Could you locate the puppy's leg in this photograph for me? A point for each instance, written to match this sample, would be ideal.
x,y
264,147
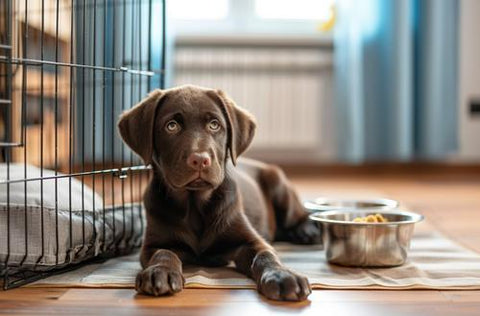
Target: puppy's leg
x,y
162,273
291,217
276,282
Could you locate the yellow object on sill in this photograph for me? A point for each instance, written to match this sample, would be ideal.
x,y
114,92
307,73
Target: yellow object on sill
x,y
327,25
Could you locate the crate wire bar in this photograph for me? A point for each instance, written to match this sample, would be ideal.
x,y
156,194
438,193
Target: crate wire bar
x,y
68,69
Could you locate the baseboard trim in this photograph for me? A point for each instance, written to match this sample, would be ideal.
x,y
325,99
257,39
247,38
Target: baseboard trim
x,y
379,169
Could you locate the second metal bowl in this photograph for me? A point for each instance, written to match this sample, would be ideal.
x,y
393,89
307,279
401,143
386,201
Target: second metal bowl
x,y
327,204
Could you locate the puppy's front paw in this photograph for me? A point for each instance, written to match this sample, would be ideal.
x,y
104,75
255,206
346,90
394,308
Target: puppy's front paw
x,y
159,280
284,285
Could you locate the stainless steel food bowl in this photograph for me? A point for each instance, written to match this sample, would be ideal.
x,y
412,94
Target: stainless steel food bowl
x,y
357,244
327,204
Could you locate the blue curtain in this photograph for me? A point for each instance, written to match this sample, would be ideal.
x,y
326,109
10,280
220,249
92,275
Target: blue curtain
x,y
396,79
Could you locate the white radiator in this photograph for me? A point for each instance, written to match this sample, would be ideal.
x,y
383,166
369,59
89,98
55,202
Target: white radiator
x,y
286,88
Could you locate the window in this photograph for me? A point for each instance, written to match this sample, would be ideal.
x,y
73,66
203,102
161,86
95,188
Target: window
x,y
199,10
320,10
207,17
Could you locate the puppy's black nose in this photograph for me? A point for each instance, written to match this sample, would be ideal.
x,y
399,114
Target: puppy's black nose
x,y
198,161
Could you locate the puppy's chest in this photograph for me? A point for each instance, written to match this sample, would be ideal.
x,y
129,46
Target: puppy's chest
x,y
199,233
194,224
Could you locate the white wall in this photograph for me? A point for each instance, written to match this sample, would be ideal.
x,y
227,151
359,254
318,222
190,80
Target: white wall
x,y
469,79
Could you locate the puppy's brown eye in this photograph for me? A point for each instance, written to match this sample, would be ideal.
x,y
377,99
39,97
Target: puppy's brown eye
x,y
214,125
172,126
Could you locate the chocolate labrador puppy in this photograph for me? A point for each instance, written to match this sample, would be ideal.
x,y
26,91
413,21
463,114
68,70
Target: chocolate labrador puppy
x,y
203,205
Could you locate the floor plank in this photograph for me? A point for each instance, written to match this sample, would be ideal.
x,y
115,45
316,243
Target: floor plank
x,y
239,302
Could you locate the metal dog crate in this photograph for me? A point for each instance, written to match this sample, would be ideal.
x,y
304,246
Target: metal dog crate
x,y
68,68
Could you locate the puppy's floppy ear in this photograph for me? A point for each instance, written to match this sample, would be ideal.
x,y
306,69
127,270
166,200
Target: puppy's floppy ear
x,y
241,124
137,124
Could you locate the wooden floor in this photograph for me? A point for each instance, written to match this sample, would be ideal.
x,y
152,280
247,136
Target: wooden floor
x,y
450,202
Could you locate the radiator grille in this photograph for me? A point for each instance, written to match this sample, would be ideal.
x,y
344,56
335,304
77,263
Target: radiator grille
x,y
284,87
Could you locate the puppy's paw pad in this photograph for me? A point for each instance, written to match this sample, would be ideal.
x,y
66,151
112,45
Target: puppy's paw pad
x,y
159,280
284,285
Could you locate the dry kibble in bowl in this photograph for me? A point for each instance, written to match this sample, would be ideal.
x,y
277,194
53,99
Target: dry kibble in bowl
x,y
372,218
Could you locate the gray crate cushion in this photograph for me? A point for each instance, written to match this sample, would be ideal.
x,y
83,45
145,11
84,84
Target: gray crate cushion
x,y
78,229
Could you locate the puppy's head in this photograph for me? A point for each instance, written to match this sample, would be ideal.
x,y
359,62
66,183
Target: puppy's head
x,y
187,134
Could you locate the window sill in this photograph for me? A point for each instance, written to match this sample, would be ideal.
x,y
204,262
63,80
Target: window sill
x,y
268,40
